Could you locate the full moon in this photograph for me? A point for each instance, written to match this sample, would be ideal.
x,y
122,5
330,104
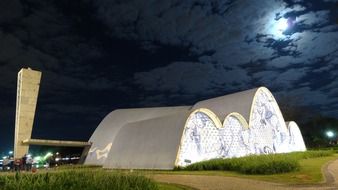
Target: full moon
x,y
282,24
278,27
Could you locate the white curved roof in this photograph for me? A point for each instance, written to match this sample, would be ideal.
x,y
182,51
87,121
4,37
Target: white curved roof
x,y
150,138
105,133
296,139
237,102
148,144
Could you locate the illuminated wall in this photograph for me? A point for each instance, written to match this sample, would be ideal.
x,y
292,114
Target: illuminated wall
x,y
267,125
296,142
201,139
205,138
236,125
235,137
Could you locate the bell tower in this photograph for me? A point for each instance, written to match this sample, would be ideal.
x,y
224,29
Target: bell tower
x,y
26,100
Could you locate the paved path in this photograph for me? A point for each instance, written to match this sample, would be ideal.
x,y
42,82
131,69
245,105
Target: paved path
x,y
202,182
331,173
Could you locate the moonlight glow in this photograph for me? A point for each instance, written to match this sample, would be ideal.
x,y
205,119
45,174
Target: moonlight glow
x,y
282,24
278,27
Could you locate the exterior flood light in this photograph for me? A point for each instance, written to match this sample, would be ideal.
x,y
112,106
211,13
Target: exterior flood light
x,y
330,134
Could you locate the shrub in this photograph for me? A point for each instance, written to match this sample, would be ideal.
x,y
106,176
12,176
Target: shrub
x,y
263,164
259,164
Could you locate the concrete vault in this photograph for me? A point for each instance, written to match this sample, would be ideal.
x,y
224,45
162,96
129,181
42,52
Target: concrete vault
x,y
235,125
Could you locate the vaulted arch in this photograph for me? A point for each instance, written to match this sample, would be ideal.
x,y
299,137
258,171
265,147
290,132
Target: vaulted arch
x,y
235,136
200,138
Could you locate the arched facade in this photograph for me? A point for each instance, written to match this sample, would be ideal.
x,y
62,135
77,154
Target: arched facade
x,y
296,142
235,136
162,138
200,138
205,137
267,124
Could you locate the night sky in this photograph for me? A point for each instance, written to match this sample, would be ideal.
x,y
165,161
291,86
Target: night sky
x,y
100,55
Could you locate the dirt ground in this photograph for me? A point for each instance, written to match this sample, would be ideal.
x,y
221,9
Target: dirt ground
x,y
233,183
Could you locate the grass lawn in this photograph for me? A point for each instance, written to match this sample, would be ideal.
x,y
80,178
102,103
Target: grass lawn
x,y
309,172
62,177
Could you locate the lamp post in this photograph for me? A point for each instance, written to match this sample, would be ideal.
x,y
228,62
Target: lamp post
x,y
10,154
330,134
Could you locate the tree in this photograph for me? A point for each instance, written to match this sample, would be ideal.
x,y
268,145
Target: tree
x,y
312,124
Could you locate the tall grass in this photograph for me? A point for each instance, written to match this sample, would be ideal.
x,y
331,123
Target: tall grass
x,y
259,164
76,180
311,154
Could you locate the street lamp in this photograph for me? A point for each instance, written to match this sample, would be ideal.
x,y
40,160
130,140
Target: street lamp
x,y
330,134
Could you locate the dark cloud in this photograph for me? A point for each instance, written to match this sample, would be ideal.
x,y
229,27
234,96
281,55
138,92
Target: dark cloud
x,y
235,37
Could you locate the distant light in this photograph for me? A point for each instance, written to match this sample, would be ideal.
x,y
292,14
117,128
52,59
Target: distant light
x,y
49,154
330,134
10,152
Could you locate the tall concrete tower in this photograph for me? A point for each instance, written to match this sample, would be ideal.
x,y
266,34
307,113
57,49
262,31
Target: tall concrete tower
x,y
27,95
